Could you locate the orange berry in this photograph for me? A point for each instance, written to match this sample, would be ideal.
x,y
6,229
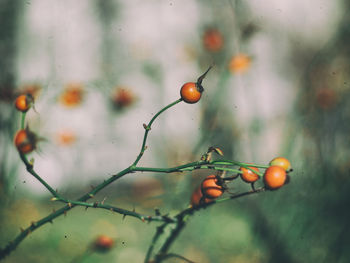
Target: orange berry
x,y
66,138
281,162
72,95
24,102
190,92
103,243
213,40
197,198
211,188
239,63
274,177
25,141
248,176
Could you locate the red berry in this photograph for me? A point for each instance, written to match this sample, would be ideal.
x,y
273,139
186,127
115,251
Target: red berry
x,y
213,40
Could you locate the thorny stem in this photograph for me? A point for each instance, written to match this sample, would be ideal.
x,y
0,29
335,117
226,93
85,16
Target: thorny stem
x,y
181,222
29,167
124,212
148,128
24,232
159,232
35,225
81,201
178,220
171,238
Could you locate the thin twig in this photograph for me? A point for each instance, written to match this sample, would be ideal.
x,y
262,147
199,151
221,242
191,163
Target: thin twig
x,y
159,232
148,128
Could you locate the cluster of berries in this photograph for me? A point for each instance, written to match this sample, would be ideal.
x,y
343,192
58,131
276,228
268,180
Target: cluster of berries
x,y
213,186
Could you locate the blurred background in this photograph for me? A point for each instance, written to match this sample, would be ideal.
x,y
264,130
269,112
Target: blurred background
x,y
100,69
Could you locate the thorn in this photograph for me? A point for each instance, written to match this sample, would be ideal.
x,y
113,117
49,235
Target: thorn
x,y
92,187
53,199
33,224
53,210
91,195
95,204
111,209
86,208
51,221
103,201
142,219
69,204
22,229
124,216
65,213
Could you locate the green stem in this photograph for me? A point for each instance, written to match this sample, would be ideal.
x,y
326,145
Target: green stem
x,y
124,212
230,162
35,225
23,118
148,128
172,255
30,169
193,209
159,232
182,218
170,240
